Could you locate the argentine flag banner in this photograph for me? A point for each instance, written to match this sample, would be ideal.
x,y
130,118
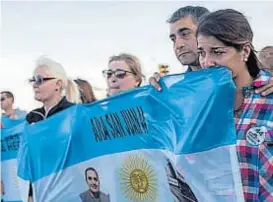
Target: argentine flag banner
x,y
10,142
140,146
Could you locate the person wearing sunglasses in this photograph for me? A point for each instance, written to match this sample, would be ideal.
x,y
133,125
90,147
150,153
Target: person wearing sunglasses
x,y
53,89
93,194
123,73
10,113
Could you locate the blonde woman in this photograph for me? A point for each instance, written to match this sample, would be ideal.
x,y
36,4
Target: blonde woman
x,y
53,89
123,73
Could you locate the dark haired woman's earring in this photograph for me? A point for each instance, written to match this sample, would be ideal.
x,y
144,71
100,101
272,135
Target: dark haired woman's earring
x,y
245,59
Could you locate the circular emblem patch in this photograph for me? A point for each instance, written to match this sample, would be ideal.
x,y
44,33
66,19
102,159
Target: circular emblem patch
x,y
256,135
138,179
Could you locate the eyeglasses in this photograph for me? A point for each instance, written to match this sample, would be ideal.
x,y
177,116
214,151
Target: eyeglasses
x,y
2,99
93,178
119,73
38,80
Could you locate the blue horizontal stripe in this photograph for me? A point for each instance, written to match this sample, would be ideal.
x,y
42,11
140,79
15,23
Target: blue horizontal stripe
x,y
12,201
193,113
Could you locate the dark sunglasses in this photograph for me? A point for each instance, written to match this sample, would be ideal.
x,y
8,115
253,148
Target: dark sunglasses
x,y
2,99
119,73
38,80
95,179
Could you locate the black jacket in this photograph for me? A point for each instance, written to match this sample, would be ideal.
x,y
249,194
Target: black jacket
x,y
39,114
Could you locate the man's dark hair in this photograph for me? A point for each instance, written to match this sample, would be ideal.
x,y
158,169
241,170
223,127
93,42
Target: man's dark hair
x,y
90,169
264,49
8,94
267,47
231,28
195,12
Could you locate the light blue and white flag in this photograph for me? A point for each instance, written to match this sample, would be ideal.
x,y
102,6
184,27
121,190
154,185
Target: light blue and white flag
x,y
10,141
140,146
18,117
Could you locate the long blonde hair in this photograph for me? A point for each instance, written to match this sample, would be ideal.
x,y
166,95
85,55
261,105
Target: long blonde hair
x,y
69,88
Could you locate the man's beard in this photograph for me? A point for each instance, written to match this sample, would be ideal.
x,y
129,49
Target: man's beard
x,y
193,63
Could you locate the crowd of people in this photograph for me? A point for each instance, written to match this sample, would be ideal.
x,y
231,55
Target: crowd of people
x,y
201,39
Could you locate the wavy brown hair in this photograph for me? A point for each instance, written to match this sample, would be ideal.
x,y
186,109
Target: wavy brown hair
x,y
86,91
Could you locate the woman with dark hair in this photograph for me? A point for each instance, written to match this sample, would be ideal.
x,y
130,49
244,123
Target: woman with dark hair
x,y
225,39
86,91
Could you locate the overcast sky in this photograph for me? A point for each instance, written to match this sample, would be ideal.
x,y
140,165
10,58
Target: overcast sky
x,y
82,36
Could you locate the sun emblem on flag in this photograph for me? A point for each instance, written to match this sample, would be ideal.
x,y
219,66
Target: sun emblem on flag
x,y
138,179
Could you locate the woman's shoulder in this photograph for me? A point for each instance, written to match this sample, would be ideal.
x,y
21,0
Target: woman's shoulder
x,y
39,113
35,115
62,105
65,103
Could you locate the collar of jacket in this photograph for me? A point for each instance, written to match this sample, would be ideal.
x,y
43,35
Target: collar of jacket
x,y
39,114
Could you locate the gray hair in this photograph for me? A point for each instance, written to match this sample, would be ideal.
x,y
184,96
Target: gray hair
x,y
195,12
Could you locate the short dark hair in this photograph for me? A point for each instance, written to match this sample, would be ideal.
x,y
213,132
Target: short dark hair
x,y
195,12
261,52
8,94
267,47
232,28
90,169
